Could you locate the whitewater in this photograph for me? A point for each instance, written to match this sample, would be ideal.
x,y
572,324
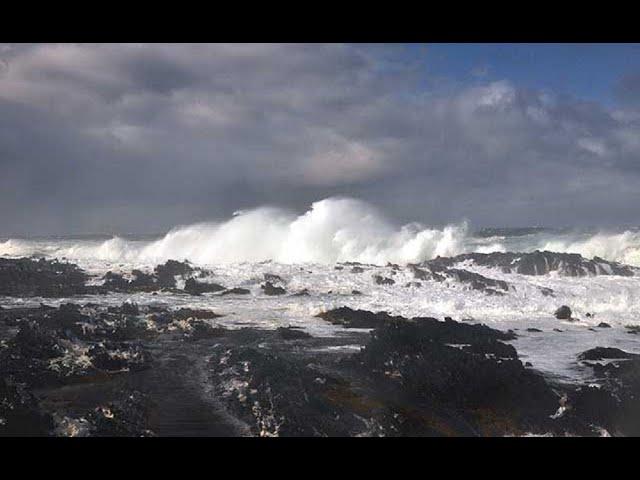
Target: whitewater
x,y
308,250
332,230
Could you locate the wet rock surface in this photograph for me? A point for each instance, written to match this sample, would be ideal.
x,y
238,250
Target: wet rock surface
x,y
269,289
350,318
614,404
563,313
539,263
91,369
26,277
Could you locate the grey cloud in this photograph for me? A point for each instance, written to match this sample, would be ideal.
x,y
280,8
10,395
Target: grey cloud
x,y
143,137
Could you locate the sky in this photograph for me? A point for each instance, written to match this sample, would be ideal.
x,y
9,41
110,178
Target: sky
x,y
138,138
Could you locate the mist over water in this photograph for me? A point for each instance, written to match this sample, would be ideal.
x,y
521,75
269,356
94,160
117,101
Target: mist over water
x,y
332,230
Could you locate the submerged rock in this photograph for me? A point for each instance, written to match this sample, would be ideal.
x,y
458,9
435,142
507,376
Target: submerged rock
x,y
380,280
292,333
236,291
269,289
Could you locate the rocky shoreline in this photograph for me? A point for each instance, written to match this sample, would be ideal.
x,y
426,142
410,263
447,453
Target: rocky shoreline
x,y
141,370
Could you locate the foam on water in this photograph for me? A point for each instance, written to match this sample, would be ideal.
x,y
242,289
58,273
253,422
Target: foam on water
x,y
303,250
333,229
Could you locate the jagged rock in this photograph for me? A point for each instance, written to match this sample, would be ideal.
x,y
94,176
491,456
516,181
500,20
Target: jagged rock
x,y
349,318
125,309
236,291
186,313
302,293
461,369
292,333
380,280
127,417
167,272
202,330
357,269
273,278
563,313
115,281
117,357
20,414
477,281
196,288
269,289
601,353
539,263
615,406
278,396
25,277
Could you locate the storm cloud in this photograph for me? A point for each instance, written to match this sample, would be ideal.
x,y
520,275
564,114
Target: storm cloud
x,y
139,138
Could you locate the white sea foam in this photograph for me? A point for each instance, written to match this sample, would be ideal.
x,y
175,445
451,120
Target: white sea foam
x,y
332,230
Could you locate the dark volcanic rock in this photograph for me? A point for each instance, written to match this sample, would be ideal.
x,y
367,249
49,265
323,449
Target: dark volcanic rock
x,y
380,280
440,269
269,289
115,357
461,369
601,353
196,288
431,274
35,342
273,278
280,396
349,318
167,272
115,281
477,281
186,313
563,313
127,417
202,330
125,309
615,406
302,293
547,292
540,263
20,414
25,277
236,291
604,325
292,333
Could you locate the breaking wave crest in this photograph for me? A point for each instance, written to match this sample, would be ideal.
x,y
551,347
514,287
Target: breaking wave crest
x,y
332,230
